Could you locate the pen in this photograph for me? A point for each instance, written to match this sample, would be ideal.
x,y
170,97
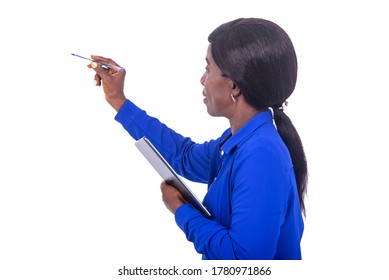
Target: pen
x,y
121,69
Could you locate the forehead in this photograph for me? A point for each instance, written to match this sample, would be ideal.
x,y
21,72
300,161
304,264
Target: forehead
x,y
209,57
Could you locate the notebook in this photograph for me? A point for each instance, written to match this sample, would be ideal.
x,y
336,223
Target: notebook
x,y
168,174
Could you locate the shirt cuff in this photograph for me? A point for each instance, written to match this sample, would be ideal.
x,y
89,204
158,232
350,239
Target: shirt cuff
x,y
184,214
126,112
131,117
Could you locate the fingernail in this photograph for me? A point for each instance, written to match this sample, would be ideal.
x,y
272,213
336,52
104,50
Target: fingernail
x,y
94,64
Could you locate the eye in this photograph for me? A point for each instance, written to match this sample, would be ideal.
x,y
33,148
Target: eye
x,y
207,69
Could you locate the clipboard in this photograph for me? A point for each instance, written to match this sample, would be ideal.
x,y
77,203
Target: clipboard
x,y
168,174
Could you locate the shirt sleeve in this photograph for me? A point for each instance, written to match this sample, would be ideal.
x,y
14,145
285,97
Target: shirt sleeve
x,y
189,159
209,237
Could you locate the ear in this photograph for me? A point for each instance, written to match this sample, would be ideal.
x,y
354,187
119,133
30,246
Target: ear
x,y
235,89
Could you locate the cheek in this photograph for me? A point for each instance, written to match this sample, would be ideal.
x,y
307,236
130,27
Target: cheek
x,y
219,100
215,87
217,91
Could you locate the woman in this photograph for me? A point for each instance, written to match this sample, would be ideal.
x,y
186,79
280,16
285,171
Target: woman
x,y
256,170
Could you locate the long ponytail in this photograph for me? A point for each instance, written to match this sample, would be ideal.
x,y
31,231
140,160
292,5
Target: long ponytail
x,y
292,140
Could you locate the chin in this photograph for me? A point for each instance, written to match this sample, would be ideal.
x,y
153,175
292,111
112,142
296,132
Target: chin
x,y
211,113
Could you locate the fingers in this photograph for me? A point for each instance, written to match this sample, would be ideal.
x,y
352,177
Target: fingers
x,y
108,63
171,192
164,187
102,73
171,197
104,67
97,80
104,59
100,70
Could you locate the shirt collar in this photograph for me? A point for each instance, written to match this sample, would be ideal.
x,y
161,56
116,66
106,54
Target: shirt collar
x,y
257,121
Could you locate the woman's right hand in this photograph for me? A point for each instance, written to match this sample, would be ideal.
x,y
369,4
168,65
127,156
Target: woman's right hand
x,y
111,79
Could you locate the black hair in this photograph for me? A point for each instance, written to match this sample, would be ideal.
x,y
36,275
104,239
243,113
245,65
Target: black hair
x,y
259,57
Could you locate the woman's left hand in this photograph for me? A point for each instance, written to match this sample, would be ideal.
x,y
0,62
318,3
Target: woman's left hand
x,y
171,197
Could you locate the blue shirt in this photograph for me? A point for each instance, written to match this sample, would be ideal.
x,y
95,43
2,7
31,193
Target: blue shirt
x,y
252,194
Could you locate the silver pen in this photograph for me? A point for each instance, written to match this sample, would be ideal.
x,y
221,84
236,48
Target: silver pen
x,y
106,65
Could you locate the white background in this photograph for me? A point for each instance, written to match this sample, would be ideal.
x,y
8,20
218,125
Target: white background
x,y
78,201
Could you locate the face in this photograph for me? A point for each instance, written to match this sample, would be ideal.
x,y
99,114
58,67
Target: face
x,y
217,89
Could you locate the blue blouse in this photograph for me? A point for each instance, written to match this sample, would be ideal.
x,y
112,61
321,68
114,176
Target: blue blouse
x,y
252,194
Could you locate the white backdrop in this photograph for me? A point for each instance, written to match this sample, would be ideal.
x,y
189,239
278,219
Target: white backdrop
x,y
78,201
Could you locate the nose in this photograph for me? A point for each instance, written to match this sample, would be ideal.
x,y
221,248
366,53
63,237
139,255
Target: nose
x,y
202,80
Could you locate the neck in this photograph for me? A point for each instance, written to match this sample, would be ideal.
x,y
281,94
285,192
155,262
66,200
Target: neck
x,y
241,116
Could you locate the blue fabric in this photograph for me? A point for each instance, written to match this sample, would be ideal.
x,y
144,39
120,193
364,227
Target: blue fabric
x,y
252,194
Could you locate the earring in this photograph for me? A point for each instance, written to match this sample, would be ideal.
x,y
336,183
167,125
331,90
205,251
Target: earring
x,y
233,98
